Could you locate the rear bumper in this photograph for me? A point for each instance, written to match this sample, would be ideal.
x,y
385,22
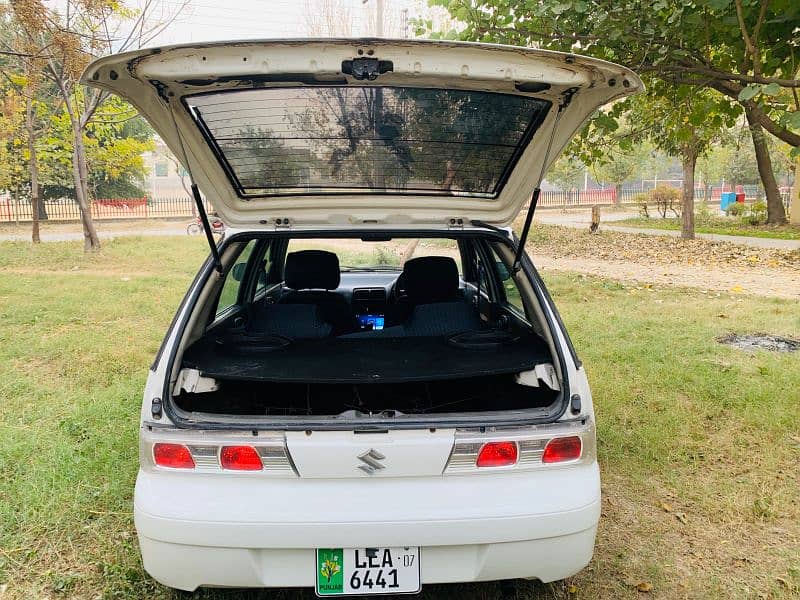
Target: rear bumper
x,y
197,530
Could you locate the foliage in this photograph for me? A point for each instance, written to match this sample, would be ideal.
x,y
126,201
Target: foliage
x,y
744,49
641,201
750,213
566,173
665,199
621,162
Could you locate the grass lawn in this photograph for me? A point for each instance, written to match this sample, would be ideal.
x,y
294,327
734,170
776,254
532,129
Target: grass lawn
x,y
718,225
699,443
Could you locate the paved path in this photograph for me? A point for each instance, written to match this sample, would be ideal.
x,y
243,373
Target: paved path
x,y
580,219
61,234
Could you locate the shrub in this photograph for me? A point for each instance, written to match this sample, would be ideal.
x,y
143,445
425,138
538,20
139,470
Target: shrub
x,y
666,199
749,214
737,209
702,214
641,200
756,213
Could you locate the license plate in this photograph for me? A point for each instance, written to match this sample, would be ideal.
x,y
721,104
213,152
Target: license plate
x,y
365,571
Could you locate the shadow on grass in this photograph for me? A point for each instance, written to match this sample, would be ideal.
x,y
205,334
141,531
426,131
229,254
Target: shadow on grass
x,y
493,590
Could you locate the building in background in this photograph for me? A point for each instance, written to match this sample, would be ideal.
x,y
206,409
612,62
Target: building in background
x,y
166,178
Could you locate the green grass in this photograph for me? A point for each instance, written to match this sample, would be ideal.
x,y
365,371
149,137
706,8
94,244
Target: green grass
x,y
698,442
717,225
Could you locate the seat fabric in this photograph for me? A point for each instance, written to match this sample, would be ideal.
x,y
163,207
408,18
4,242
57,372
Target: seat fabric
x,y
296,321
311,274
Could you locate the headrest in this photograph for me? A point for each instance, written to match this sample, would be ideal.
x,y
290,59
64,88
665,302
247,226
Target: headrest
x,y
311,270
430,279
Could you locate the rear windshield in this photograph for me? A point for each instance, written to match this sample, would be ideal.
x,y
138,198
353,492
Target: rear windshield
x,y
359,139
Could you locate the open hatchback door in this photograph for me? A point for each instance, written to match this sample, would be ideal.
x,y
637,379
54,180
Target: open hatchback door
x,y
363,132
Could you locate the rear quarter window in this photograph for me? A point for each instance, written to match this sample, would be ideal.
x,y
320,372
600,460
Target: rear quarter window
x,y
229,296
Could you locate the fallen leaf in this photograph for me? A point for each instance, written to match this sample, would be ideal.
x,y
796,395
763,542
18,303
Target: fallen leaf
x,y
666,507
573,589
644,586
737,289
722,316
681,516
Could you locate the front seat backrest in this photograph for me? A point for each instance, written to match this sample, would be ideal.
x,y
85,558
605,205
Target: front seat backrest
x,y
311,275
429,279
311,270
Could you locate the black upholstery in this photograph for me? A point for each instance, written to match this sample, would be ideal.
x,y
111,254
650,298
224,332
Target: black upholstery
x,y
430,320
312,270
300,321
430,279
311,274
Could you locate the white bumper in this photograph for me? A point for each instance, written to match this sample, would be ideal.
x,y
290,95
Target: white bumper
x,y
210,530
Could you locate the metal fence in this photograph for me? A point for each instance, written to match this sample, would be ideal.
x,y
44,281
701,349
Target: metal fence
x,y
610,196
66,209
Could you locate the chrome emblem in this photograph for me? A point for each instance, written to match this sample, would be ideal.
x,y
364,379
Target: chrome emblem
x,y
371,459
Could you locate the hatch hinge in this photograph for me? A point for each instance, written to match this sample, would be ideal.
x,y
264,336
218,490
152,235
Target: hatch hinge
x,y
455,223
283,223
566,97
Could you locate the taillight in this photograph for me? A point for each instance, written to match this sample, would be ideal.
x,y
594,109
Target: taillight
x,y
562,449
240,458
174,456
497,454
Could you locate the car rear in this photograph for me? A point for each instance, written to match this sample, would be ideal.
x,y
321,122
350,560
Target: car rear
x,y
365,428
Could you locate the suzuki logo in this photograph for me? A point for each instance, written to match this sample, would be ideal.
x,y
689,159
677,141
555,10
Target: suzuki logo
x,y
371,459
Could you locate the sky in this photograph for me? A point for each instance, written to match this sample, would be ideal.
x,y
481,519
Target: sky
x,y
213,20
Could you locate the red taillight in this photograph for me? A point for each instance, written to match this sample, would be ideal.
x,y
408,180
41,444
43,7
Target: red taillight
x,y
562,449
174,456
497,454
240,458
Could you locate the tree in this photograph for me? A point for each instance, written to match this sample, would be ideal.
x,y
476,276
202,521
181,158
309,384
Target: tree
x,y
566,173
23,79
65,40
743,49
618,160
683,122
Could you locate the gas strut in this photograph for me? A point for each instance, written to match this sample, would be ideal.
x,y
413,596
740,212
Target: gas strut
x,y
201,209
566,98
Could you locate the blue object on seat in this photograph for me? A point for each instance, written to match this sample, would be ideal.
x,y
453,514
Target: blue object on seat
x,y
430,320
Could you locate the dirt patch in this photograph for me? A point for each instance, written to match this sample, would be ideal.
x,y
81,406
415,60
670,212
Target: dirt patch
x,y
760,341
564,242
656,260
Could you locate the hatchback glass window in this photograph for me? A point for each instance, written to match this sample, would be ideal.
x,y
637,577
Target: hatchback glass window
x,y
358,139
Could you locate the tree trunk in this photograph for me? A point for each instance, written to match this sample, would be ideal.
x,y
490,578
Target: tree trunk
x,y
776,215
794,206
33,168
80,171
689,160
618,194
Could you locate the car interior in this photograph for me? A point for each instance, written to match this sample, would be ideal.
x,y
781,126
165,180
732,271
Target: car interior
x,y
293,332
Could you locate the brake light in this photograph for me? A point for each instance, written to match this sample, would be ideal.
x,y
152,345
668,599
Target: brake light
x,y
497,454
240,458
562,449
174,456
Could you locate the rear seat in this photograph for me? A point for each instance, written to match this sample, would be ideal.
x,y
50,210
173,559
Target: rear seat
x,y
295,321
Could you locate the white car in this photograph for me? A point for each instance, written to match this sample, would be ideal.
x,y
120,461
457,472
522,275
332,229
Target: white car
x,y
367,387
